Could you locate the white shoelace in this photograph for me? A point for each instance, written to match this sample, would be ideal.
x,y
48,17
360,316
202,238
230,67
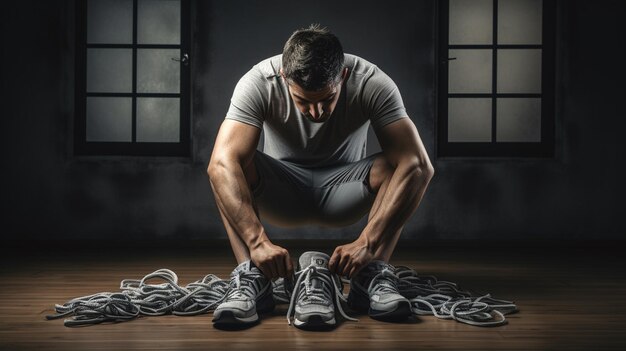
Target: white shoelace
x,y
384,282
247,290
331,281
427,294
140,298
443,299
279,291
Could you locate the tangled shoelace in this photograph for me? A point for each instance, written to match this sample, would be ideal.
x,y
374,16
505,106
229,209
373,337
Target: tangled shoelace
x,y
311,294
446,300
140,298
427,294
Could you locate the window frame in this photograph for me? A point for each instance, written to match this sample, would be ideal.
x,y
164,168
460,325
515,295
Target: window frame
x,y
543,149
82,147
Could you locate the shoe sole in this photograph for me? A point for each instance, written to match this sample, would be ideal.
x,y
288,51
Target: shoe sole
x,y
402,311
315,322
228,318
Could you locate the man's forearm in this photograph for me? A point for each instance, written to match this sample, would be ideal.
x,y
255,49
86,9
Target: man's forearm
x,y
234,198
395,203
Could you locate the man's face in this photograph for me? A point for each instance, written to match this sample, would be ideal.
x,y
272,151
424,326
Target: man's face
x,y
317,106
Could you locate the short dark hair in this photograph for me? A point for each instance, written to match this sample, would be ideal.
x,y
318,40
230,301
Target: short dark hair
x,y
313,58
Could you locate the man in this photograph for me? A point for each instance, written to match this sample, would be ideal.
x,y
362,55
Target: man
x,y
315,104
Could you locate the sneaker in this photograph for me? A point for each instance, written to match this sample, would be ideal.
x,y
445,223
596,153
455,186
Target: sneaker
x,y
249,293
315,293
374,289
281,291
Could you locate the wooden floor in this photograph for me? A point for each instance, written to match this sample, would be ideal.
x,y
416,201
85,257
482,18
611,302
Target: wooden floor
x,y
570,299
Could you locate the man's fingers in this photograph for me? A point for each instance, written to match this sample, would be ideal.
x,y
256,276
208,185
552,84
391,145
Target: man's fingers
x,y
352,272
341,267
332,263
276,268
289,266
281,266
268,270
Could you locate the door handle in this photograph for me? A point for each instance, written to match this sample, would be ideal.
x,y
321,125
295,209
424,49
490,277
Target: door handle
x,y
184,60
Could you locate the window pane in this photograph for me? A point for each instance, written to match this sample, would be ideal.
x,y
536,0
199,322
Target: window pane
x,y
519,71
518,120
157,72
110,22
158,120
470,72
109,70
109,119
471,22
158,22
519,21
469,120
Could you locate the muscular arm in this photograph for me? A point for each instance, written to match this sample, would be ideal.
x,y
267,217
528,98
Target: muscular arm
x,y
412,171
398,196
233,153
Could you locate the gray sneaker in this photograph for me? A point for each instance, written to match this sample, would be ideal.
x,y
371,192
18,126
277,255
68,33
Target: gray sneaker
x,y
250,292
374,289
315,293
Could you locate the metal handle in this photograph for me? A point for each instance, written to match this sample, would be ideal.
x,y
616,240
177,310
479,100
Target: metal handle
x,y
184,60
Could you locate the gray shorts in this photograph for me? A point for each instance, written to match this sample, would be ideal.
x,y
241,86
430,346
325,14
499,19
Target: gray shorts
x,y
291,195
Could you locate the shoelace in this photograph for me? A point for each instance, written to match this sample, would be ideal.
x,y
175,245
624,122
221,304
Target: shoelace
x,y
140,298
247,290
385,281
443,299
427,294
331,281
280,291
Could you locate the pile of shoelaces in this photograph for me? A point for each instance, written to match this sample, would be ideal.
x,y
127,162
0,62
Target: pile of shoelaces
x,y
427,294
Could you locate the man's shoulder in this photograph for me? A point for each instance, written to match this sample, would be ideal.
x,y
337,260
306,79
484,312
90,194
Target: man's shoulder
x,y
269,67
358,65
365,77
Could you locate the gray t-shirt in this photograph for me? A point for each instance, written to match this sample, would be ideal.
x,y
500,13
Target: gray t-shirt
x,y
261,98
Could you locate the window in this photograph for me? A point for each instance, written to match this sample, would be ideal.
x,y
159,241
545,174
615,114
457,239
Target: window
x,y
496,78
132,81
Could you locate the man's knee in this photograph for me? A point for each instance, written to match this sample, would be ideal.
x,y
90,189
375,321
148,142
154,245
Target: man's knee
x,y
381,171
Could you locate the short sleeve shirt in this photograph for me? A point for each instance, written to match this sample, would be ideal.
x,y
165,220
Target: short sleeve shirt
x,y
261,99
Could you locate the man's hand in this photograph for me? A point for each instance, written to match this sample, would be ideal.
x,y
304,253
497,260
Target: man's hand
x,y
273,260
347,260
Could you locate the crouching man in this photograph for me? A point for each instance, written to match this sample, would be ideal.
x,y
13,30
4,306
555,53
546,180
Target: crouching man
x,y
315,104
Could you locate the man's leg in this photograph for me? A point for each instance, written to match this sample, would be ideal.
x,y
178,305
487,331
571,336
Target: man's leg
x,y
371,289
248,279
277,196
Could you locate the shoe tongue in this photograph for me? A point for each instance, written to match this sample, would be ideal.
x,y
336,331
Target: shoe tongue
x,y
313,258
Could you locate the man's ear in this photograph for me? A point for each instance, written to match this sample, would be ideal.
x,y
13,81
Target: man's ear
x,y
344,74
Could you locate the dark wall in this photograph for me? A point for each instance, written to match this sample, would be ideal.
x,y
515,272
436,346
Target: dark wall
x,y
48,194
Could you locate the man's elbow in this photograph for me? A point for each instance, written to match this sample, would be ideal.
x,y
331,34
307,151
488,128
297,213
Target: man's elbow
x,y
215,168
427,170
422,170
